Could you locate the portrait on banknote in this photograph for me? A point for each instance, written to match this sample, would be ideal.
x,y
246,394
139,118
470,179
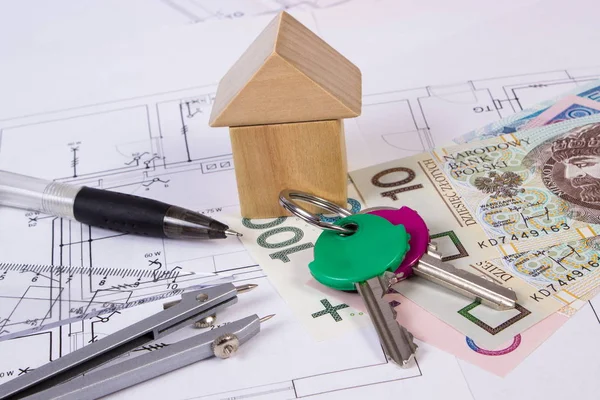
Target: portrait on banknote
x,y
570,168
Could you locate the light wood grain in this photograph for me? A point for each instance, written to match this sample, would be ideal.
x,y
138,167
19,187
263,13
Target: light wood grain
x,y
246,67
321,62
301,79
297,98
306,156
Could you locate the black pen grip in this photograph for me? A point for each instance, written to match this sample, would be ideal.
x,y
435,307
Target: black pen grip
x,y
120,212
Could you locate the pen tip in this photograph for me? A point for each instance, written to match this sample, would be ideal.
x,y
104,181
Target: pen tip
x,y
246,288
231,232
266,318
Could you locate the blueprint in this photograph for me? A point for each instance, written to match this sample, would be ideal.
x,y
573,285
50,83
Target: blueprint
x,y
139,125
159,147
155,146
400,123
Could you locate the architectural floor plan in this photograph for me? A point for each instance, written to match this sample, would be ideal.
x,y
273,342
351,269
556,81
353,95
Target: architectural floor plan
x,y
161,147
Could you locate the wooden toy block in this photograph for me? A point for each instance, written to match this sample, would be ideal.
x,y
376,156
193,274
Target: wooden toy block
x,y
284,101
264,165
288,74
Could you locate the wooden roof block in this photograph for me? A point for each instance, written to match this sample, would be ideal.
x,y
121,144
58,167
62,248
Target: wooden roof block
x,y
288,74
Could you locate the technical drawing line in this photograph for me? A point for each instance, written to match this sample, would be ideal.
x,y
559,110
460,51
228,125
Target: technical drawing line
x,y
75,161
194,18
594,310
94,240
184,130
114,307
359,386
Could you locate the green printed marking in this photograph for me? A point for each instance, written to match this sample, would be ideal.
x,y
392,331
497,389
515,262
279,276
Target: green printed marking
x,y
462,252
331,310
282,255
262,239
465,312
249,224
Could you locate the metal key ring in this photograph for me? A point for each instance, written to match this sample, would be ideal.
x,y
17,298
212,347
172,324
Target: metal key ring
x,y
286,200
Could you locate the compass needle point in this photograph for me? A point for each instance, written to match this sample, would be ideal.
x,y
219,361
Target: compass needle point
x,y
266,317
246,288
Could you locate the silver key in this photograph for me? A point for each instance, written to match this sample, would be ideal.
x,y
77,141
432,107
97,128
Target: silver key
x,y
396,340
363,260
475,287
431,267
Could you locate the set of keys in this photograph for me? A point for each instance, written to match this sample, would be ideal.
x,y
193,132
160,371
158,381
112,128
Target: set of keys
x,y
370,251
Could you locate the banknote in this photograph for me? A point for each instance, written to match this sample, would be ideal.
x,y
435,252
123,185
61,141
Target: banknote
x,y
543,287
515,122
564,274
567,271
523,191
499,360
533,195
571,107
488,327
497,341
535,187
284,248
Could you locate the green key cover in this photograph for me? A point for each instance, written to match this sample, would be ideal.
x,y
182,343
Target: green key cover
x,y
377,246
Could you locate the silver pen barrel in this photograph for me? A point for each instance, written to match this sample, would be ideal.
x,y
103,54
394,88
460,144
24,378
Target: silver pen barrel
x,y
29,193
108,209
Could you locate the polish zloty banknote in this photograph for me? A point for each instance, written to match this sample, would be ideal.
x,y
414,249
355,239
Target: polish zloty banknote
x,y
571,107
499,360
534,188
284,248
488,327
519,192
546,281
568,272
516,121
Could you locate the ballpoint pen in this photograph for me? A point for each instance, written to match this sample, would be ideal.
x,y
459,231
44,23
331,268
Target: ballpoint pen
x,y
107,209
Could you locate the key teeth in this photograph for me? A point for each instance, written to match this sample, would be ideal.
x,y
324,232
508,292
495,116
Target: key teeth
x,y
396,340
409,338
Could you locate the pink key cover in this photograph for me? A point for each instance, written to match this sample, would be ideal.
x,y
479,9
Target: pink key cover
x,y
415,226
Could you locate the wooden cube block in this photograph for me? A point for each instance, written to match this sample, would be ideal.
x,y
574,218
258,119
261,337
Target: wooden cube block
x,y
305,156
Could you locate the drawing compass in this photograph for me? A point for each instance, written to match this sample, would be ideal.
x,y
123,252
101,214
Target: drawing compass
x,y
72,377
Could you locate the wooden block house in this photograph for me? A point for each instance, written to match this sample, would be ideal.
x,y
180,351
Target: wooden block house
x,y
284,101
